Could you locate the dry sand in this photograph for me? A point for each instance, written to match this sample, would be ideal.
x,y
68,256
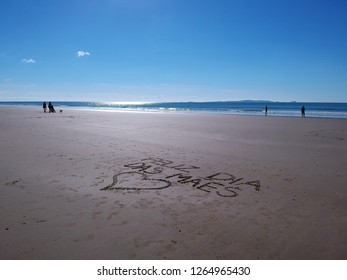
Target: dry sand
x,y
178,186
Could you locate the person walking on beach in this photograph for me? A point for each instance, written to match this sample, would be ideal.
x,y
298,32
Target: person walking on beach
x,y
303,111
266,110
44,107
51,108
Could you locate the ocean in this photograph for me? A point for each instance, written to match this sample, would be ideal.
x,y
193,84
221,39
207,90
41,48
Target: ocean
x,y
256,108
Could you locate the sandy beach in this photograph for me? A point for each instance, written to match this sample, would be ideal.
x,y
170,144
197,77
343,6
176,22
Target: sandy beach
x,y
110,185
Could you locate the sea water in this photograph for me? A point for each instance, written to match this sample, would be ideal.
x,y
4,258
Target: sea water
x,y
313,109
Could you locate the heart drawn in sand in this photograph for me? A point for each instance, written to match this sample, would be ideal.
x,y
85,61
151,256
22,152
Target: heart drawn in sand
x,y
136,181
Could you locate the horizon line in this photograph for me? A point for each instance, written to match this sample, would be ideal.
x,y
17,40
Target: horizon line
x,y
156,102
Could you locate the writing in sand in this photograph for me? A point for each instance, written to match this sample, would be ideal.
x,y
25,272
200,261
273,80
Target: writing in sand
x,y
158,174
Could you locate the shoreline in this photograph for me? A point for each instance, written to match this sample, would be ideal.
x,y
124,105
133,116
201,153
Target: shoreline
x,y
93,185
243,108
168,111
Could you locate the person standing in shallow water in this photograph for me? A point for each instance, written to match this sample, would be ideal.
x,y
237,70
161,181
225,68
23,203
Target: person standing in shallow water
x,y
44,106
303,111
266,110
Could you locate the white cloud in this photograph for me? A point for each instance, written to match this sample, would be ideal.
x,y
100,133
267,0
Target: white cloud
x,y
28,61
82,53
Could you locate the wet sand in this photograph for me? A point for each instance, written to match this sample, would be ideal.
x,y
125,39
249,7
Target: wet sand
x,y
107,185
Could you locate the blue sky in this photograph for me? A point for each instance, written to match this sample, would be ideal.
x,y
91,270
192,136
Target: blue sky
x,y
173,50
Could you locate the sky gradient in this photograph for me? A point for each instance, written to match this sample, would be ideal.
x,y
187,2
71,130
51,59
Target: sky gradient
x,y
173,50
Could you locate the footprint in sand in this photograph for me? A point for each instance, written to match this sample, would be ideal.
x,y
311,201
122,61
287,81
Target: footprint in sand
x,y
13,182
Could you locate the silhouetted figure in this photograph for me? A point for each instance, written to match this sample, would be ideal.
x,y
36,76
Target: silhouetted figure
x,y
303,111
51,108
44,106
265,110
